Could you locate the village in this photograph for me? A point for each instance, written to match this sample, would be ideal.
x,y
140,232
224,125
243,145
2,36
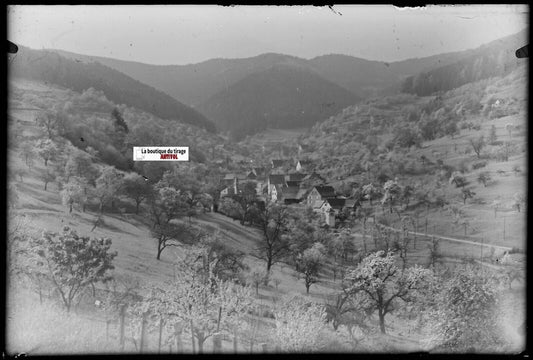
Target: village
x,y
293,183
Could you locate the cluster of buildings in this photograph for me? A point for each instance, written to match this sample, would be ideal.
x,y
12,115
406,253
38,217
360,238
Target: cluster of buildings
x,y
286,183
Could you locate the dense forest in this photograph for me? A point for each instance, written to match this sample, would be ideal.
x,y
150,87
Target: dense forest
x,y
494,59
281,97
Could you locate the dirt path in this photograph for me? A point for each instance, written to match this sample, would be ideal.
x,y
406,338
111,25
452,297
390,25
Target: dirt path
x,y
505,248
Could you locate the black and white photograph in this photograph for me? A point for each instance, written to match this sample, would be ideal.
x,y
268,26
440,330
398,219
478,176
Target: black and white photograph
x,y
256,179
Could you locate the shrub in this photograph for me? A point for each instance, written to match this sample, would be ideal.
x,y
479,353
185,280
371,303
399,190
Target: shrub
x,y
479,165
516,250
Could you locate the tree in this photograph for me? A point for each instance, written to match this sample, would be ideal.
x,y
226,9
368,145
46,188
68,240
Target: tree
x,y
477,145
300,324
458,179
119,120
407,136
27,152
465,313
512,270
392,192
435,255
73,193
492,135
484,178
136,188
47,149
49,122
47,177
166,204
247,200
257,276
518,200
467,194
222,260
310,264
378,277
273,246
80,164
167,235
406,194
73,262
206,305
451,129
108,184
370,191
231,208
402,245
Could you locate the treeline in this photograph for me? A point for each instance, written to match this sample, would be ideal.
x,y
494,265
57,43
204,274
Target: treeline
x,y
50,67
497,59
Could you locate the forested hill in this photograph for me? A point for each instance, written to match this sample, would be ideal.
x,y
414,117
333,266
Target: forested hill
x,y
493,59
284,96
194,83
78,75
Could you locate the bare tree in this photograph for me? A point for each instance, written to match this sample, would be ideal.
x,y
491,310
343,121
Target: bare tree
x,y
273,224
477,145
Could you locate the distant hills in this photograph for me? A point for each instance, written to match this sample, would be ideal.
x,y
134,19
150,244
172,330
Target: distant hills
x,y
243,96
193,84
283,96
79,75
496,58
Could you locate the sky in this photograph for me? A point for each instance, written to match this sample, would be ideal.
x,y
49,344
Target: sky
x,y
185,34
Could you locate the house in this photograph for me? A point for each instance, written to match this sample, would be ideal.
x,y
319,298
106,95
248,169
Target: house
x,y
241,184
230,180
303,165
319,193
297,177
279,163
313,179
330,218
259,172
293,183
333,204
228,191
275,180
290,194
276,193
352,205
251,175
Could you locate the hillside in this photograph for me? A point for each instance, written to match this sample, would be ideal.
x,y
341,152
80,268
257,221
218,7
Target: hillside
x,y
368,78
86,119
80,75
281,97
422,141
194,83
496,58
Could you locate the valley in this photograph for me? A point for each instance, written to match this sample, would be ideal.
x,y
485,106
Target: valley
x,y
271,238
